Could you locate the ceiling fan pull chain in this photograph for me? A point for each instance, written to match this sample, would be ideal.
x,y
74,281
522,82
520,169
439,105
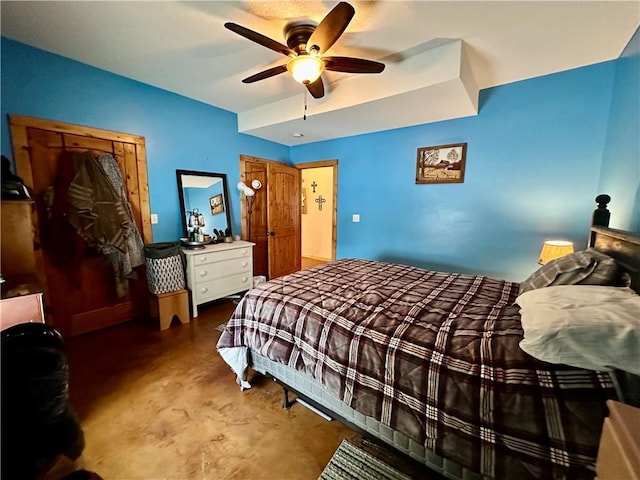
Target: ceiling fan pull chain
x,y
304,116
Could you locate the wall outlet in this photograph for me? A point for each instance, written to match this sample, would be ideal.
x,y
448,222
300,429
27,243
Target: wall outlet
x,y
355,218
154,218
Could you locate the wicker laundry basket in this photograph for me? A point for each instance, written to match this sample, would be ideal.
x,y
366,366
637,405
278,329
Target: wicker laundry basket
x,y
165,267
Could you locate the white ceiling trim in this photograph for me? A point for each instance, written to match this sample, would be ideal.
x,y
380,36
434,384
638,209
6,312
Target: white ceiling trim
x,y
439,79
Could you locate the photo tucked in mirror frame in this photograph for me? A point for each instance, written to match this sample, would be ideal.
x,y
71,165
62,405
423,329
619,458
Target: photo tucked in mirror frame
x,y
204,206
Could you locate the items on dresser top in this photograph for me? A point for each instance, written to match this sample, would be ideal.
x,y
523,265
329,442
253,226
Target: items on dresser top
x,y
218,270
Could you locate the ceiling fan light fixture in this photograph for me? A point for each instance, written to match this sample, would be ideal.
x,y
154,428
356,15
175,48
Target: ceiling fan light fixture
x,y
305,68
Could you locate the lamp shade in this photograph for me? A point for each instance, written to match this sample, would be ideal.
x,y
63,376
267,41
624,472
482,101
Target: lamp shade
x,y
552,249
305,68
245,189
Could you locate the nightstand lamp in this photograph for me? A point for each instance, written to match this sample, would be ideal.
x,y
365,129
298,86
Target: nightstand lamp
x,y
552,249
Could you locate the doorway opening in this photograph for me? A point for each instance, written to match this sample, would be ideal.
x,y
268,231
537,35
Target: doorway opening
x,y
319,195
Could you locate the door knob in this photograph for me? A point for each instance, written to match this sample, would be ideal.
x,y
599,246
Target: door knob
x,y
271,233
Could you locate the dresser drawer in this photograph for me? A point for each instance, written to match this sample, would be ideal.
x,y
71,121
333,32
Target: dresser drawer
x,y
221,287
213,257
219,270
222,269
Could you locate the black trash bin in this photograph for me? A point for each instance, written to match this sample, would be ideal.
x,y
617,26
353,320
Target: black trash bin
x,y
165,267
38,422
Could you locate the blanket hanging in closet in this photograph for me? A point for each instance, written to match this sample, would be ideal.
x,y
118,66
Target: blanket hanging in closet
x,y
98,213
123,262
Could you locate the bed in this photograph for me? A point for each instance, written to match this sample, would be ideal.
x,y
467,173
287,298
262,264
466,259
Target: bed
x,y
429,363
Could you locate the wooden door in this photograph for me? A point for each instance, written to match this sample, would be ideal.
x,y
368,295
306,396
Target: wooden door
x,y
80,296
283,219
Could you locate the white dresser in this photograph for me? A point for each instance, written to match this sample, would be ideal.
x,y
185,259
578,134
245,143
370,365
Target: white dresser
x,y
218,270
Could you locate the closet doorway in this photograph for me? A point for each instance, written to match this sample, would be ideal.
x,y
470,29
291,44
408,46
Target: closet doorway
x,y
78,286
319,194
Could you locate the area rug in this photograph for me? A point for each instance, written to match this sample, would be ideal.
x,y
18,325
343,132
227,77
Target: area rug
x,y
352,463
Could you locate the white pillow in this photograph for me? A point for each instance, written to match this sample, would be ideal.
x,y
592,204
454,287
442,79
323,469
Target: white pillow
x,y
585,326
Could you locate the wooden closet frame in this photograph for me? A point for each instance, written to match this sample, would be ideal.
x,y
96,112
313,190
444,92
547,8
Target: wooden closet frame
x,y
19,124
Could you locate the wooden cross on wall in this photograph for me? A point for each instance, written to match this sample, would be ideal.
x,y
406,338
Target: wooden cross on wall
x,y
320,200
314,185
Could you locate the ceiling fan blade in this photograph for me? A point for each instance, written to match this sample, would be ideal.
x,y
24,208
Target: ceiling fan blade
x,y
316,89
330,28
352,65
266,74
259,39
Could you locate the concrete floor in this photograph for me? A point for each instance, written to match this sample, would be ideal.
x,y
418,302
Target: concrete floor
x,y
164,405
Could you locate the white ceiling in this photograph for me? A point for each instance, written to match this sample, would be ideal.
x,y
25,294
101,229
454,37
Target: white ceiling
x,y
437,54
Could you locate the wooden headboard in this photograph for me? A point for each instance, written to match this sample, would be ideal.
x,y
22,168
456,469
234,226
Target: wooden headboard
x,y
625,248
621,245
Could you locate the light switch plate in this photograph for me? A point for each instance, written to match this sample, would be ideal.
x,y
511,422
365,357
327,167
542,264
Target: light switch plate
x,y
154,218
355,218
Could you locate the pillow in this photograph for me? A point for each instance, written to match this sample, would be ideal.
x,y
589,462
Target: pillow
x,y
585,326
587,267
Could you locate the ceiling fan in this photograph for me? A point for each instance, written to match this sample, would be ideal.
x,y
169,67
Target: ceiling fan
x,y
306,44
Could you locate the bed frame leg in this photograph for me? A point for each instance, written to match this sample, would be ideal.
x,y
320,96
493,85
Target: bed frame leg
x,y
286,403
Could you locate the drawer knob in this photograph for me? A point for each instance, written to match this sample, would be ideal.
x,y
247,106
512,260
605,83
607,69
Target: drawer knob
x,y
203,273
244,264
204,290
245,252
203,258
244,279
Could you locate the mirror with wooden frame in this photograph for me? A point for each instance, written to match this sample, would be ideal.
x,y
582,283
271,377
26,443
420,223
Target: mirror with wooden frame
x,y
204,204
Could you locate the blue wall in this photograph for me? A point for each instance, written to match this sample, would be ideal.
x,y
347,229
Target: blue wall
x,y
536,159
180,133
621,162
533,163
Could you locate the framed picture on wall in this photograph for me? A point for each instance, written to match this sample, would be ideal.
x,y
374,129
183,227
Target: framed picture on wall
x,y
441,164
216,204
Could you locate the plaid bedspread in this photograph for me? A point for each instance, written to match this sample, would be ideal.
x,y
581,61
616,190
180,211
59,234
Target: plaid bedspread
x,y
435,356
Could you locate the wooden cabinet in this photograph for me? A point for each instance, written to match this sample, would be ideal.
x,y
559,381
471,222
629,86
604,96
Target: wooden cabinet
x,y
218,270
17,249
619,452
21,289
